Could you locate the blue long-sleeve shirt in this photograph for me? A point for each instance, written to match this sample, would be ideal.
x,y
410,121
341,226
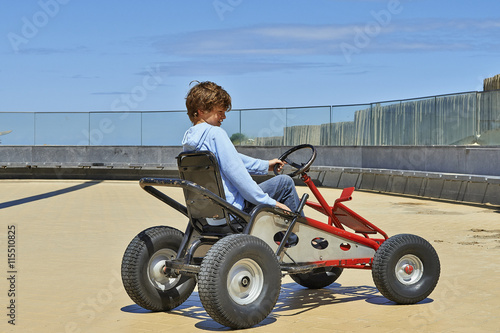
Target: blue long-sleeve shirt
x,y
235,168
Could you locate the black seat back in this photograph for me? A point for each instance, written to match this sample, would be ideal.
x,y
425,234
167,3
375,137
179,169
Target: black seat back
x,y
201,167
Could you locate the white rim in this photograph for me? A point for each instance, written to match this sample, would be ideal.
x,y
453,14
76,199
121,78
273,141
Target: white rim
x,y
245,281
409,269
155,270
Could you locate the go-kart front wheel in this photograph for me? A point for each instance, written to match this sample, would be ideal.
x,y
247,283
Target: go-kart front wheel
x,y
239,281
142,270
406,269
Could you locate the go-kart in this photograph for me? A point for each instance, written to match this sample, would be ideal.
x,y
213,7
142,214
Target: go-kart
x,y
238,258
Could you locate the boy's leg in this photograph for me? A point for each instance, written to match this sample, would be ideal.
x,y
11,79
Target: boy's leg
x,y
282,189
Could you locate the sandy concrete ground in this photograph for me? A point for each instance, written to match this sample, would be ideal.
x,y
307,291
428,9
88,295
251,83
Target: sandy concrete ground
x,y
70,237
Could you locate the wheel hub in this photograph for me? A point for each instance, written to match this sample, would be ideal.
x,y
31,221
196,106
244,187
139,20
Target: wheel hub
x,y
157,272
245,281
409,269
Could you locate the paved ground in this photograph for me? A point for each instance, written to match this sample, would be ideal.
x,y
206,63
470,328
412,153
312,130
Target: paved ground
x,y
70,237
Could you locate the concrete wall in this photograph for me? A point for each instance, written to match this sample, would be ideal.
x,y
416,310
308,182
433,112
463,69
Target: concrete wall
x,y
436,185
87,162
88,155
460,173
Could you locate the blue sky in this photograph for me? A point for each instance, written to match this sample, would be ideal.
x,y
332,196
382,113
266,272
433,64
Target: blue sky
x,y
75,55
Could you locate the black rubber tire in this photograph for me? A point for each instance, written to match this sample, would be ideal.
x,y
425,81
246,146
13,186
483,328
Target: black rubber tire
x,y
242,303
404,288
150,244
318,280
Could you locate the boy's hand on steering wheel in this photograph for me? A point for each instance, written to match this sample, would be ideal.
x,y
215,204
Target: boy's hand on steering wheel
x,y
274,162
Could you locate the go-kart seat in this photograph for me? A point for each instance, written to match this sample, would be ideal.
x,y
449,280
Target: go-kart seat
x,y
201,167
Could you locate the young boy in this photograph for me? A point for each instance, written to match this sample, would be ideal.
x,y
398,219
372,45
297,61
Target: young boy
x,y
207,104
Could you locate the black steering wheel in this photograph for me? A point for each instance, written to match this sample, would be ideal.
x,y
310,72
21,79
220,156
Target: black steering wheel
x,y
302,167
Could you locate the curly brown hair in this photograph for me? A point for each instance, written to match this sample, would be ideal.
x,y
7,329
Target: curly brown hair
x,y
204,97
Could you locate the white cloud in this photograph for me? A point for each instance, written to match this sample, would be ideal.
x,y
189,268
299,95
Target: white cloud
x,y
306,32
284,47
214,67
53,50
296,40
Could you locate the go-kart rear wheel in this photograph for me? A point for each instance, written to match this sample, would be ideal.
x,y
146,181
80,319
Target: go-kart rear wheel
x,y
318,280
406,269
239,281
142,270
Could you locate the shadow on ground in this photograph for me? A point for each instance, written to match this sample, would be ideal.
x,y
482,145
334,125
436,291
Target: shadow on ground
x,y
293,300
47,195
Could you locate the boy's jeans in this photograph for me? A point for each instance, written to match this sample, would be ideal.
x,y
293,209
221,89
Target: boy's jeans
x,y
282,189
